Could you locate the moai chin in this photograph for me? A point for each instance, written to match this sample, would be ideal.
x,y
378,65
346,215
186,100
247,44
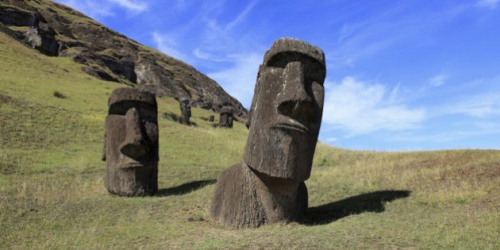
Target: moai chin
x,y
285,118
131,143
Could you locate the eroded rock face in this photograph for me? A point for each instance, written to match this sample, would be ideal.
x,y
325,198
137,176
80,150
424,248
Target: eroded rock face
x,y
285,119
57,30
131,143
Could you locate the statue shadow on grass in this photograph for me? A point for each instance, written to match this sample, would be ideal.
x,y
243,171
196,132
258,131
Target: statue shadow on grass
x,y
185,188
369,202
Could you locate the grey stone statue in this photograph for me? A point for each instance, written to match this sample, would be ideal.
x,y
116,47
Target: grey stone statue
x,y
226,117
185,106
131,143
285,118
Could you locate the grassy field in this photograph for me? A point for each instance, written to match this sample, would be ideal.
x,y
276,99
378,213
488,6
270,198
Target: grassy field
x,y
52,193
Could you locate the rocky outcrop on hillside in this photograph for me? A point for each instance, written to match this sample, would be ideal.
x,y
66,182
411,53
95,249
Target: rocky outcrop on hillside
x,y
57,30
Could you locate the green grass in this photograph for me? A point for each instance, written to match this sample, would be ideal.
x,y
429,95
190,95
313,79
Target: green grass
x,y
52,193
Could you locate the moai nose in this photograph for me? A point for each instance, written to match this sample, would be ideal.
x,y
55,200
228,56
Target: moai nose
x,y
294,84
294,101
134,145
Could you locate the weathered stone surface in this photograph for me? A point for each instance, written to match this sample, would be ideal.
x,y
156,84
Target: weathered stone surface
x,y
185,106
226,117
245,198
131,143
284,123
286,111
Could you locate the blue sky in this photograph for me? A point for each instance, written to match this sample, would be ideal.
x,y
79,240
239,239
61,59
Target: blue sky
x,y
401,75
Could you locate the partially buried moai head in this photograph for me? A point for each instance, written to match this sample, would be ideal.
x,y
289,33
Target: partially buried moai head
x,y
131,143
286,111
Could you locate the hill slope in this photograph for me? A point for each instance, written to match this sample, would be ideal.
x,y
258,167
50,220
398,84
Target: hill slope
x,y
57,30
52,193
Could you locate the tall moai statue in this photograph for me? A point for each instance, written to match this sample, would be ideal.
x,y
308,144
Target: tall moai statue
x,y
285,118
226,117
185,106
131,143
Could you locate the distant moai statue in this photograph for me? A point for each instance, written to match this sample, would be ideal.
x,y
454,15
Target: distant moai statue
x,y
131,143
185,106
226,117
285,118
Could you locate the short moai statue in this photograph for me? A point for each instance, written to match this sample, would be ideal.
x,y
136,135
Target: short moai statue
x,y
131,143
226,117
284,123
185,106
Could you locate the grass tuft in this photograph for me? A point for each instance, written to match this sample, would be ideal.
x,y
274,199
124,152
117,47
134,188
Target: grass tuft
x,y
58,94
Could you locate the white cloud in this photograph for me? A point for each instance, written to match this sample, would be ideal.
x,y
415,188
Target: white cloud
x,y
437,80
331,139
361,108
242,16
356,42
227,54
208,56
100,8
491,4
481,106
485,128
479,98
208,41
399,25
239,80
131,5
218,35
91,8
167,44
361,39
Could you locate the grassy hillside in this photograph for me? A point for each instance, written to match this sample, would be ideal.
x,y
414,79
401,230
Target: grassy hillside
x,y
52,193
106,54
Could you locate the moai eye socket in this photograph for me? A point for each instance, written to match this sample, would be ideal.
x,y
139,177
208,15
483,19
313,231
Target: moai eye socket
x,y
147,112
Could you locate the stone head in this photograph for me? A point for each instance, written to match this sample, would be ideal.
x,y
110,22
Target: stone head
x,y
131,141
185,106
226,117
286,110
